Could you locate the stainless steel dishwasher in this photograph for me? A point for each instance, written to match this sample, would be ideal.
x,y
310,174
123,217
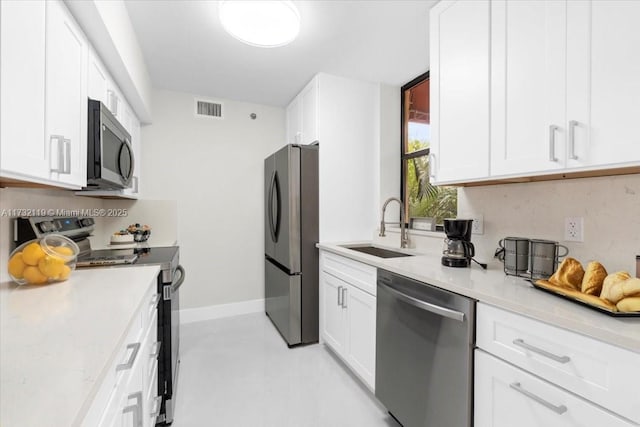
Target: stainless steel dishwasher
x,y
424,353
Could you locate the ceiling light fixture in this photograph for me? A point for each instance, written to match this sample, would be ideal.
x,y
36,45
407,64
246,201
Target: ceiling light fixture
x,y
260,23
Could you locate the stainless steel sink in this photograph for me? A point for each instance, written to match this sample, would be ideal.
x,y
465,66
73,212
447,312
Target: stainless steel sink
x,y
376,251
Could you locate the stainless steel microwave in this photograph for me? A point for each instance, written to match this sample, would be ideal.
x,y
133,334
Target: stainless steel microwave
x,y
110,159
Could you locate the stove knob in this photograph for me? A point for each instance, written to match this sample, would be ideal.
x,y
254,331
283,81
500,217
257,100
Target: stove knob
x,y
86,222
46,226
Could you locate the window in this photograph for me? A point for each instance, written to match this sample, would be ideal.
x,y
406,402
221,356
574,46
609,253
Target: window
x,y
421,199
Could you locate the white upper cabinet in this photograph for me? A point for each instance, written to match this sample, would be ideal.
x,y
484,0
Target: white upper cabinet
x,y
309,105
564,88
603,83
97,78
44,95
66,96
527,86
294,121
302,116
24,153
459,84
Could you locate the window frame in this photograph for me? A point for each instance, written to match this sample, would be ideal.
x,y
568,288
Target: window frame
x,y
403,141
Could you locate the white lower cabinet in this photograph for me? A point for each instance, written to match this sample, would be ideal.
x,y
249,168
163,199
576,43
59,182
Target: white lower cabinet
x,y
530,373
507,396
348,316
128,394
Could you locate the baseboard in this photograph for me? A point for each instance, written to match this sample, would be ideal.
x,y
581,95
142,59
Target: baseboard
x,y
190,315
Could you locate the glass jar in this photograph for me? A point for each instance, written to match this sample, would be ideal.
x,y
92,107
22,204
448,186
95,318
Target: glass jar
x,y
41,261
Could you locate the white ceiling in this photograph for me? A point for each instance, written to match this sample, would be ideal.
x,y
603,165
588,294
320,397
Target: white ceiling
x,y
186,49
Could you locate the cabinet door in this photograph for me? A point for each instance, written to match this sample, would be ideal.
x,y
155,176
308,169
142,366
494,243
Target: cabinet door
x,y
528,55
309,106
361,333
66,96
506,396
459,84
294,121
603,103
97,78
333,329
23,153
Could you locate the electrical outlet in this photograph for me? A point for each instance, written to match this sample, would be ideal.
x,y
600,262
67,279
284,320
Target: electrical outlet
x,y
477,226
574,229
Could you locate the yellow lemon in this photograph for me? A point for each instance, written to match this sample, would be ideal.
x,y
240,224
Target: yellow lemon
x,y
63,250
32,253
51,266
16,266
33,275
64,273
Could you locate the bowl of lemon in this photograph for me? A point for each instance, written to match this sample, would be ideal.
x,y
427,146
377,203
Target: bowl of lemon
x,y
41,261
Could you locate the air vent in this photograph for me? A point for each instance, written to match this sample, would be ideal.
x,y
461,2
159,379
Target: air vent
x,y
208,109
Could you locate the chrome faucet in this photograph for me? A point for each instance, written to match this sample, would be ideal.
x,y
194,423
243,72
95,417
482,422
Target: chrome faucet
x,y
404,236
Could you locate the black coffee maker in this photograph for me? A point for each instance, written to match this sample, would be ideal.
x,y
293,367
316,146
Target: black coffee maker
x,y
458,250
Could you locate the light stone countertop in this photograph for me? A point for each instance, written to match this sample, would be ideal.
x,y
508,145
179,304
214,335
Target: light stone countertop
x,y
58,340
493,286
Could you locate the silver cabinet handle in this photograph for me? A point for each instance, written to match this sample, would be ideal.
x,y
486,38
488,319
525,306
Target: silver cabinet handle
x,y
423,305
132,358
432,165
344,297
572,139
66,143
157,404
156,352
552,143
56,160
562,359
135,409
339,295
559,409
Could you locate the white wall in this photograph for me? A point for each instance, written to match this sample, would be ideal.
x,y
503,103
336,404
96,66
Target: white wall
x,y
214,170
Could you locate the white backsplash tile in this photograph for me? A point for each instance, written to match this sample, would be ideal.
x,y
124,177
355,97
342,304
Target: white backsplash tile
x,y
610,207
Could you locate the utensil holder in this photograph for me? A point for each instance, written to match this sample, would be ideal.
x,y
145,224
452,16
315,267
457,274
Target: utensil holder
x,y
516,255
544,257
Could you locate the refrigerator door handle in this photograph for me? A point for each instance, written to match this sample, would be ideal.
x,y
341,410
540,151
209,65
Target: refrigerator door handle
x,y
270,207
275,228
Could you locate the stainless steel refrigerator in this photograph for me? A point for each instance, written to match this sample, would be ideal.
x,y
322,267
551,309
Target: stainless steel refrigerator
x,y
291,233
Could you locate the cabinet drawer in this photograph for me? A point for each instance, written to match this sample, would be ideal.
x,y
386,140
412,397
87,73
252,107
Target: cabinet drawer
x,y
599,372
355,273
507,396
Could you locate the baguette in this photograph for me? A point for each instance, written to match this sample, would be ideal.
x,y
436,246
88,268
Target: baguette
x,y
593,278
587,298
569,274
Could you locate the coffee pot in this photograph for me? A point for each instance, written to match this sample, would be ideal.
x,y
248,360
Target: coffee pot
x,y
458,250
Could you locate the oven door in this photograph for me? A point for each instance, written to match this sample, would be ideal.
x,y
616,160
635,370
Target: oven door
x,y
116,154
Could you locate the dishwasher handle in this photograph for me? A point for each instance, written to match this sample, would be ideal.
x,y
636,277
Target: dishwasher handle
x,y
423,305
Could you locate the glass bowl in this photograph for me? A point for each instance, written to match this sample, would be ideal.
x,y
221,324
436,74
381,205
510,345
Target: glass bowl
x,y
40,261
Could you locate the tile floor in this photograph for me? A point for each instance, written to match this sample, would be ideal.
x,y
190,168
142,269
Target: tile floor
x,y
238,372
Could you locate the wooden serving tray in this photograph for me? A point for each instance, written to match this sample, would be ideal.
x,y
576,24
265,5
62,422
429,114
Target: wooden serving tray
x,y
569,297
